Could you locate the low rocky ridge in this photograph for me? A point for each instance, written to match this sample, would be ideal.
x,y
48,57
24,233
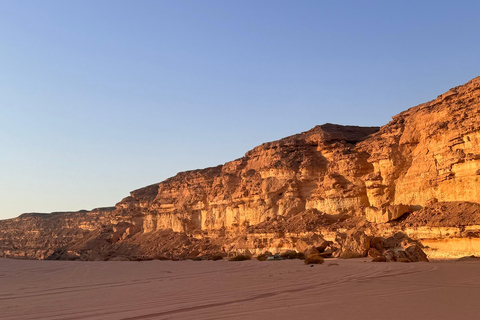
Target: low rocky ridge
x,y
342,191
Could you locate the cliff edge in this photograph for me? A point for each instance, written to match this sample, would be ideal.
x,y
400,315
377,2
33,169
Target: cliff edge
x,y
316,187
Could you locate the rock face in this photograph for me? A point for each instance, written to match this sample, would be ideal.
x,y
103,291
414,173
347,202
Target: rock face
x,y
318,170
428,152
301,189
37,235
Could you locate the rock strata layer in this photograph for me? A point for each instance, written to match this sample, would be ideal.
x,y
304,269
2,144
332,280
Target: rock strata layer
x,y
332,183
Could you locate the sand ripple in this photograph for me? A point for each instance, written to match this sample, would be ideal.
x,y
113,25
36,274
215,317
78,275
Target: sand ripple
x,y
238,290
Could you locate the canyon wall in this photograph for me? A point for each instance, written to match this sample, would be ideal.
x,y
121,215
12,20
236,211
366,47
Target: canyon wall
x,y
429,153
307,187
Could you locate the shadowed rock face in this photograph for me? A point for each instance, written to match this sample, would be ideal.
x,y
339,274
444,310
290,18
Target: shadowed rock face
x,y
313,182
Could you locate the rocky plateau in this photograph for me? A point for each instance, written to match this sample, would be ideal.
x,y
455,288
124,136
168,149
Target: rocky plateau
x,y
400,192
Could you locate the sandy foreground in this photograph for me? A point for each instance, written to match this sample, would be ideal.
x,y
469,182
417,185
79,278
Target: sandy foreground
x,y
338,289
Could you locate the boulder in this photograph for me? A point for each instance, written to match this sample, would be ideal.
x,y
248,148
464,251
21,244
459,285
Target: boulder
x,y
354,243
415,253
311,250
412,253
301,245
377,243
379,259
395,254
373,253
390,255
399,239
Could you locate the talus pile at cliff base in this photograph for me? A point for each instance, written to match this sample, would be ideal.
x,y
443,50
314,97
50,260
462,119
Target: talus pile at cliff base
x,y
409,188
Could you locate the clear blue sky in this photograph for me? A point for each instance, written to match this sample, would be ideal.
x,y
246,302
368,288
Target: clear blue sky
x,y
98,98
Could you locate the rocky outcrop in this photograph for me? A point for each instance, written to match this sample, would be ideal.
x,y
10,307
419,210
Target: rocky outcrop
x,y
39,235
288,194
428,153
316,170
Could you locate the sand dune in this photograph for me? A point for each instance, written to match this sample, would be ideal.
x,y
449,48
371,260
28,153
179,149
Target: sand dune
x,y
238,290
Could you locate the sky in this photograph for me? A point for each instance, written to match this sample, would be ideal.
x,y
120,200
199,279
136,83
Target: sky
x,y
99,98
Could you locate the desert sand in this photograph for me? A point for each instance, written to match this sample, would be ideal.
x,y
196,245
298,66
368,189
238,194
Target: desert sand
x,y
338,289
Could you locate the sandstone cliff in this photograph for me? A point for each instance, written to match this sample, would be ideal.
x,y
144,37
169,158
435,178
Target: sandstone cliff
x,y
289,194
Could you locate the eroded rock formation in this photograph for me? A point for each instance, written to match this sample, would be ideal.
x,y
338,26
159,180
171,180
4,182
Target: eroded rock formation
x,y
288,194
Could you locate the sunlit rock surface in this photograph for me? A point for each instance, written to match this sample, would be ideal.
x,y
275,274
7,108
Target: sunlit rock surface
x,y
293,193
